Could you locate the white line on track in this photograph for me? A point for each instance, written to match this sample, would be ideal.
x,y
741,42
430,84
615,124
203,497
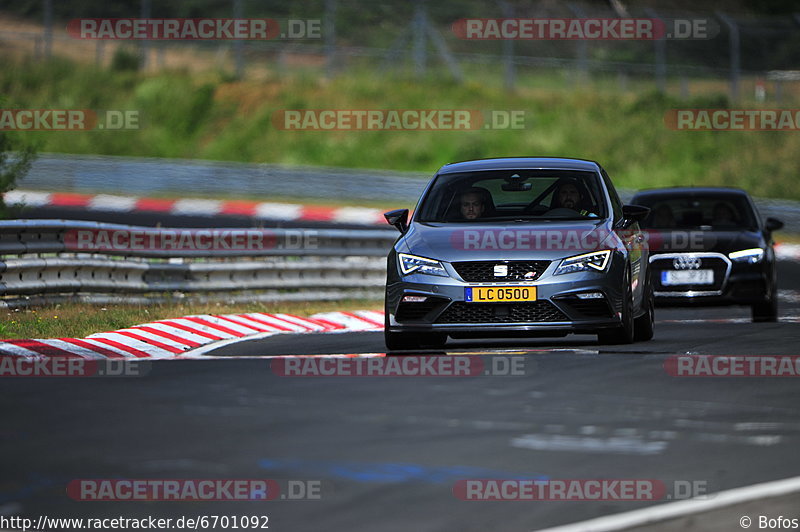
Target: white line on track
x,y
674,510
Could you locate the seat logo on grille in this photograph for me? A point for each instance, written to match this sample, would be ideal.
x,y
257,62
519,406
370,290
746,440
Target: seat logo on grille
x,y
686,263
500,270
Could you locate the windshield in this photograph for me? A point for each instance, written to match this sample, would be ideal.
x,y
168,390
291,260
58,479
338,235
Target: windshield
x,y
503,195
712,212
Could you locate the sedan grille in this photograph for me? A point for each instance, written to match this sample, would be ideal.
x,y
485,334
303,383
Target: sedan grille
x,y
484,271
537,311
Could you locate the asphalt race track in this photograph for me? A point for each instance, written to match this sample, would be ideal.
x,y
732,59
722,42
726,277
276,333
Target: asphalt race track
x,y
388,450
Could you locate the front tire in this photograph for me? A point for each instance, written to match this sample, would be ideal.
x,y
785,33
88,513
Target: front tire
x,y
624,333
643,326
767,310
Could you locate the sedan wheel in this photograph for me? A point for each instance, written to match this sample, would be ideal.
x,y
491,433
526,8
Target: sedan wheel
x,y
644,324
767,310
624,333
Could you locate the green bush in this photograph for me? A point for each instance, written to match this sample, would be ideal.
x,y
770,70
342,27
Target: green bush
x,y
125,59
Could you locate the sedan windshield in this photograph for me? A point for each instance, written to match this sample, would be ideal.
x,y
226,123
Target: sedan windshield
x,y
509,195
711,212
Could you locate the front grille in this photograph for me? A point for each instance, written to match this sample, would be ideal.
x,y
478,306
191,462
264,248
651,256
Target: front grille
x,y
483,271
590,308
536,311
417,311
719,266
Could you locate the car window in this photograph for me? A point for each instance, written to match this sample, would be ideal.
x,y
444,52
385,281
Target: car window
x,y
508,194
712,212
616,203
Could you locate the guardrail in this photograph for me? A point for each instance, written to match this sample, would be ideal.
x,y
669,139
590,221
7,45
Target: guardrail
x,y
55,260
91,173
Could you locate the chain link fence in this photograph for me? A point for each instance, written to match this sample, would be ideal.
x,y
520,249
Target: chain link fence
x,y
755,57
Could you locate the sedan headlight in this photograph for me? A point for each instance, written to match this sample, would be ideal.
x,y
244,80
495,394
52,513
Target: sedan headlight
x,y
750,256
414,264
595,261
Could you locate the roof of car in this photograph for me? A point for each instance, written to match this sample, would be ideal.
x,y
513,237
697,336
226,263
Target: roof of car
x,y
545,163
692,191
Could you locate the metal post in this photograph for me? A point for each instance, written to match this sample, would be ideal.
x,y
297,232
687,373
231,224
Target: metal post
x,y
661,55
330,38
48,28
98,52
735,42
583,47
238,45
622,80
396,49
420,58
508,51
145,44
444,53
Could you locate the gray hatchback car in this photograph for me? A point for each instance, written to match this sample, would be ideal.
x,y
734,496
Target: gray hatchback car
x,y
515,247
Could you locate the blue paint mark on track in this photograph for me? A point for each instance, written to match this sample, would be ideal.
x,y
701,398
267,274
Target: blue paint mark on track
x,y
389,473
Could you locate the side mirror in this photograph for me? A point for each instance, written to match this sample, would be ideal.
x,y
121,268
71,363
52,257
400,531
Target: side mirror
x,y
633,213
398,218
773,224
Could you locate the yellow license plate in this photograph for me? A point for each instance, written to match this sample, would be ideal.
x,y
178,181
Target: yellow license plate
x,y
484,294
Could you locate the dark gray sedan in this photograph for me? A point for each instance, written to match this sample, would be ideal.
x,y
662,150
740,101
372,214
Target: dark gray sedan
x,y
518,247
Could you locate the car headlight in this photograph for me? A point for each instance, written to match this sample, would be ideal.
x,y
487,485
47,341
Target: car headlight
x,y
414,264
595,261
750,256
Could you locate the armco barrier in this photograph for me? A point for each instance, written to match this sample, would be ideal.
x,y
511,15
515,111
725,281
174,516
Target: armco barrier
x,y
41,261
88,174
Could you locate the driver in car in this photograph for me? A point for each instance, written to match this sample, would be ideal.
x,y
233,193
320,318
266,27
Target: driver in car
x,y
569,196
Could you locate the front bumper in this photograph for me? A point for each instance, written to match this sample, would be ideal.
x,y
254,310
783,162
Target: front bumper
x,y
736,283
557,309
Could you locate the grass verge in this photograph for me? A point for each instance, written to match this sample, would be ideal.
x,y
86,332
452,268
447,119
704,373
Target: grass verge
x,y
77,320
211,117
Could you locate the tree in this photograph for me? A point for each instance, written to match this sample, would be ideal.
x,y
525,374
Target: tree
x,y
16,157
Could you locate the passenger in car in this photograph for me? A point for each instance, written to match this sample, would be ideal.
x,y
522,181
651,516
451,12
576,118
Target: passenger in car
x,y
723,216
569,195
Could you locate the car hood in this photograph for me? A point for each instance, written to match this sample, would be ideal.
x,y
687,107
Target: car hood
x,y
548,240
687,241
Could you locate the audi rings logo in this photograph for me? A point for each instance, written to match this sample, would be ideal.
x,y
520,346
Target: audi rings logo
x,y
686,263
